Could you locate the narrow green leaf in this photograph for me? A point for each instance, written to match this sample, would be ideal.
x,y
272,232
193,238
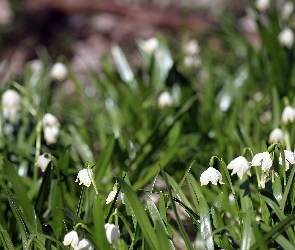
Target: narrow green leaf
x,y
277,189
99,233
261,243
141,216
21,194
178,221
247,231
5,239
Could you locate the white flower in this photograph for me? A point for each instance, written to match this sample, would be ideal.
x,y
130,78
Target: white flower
x,y
50,120
289,158
112,232
276,135
71,238
165,99
263,160
150,45
43,161
36,66
11,105
191,47
262,5
287,10
84,244
288,114
84,177
192,61
211,174
59,71
286,37
112,195
240,166
50,128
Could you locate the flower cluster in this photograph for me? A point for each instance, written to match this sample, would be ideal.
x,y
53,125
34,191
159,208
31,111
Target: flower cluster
x,y
11,105
241,166
72,239
51,127
84,177
191,51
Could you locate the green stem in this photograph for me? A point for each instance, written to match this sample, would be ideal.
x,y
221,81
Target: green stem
x,y
38,148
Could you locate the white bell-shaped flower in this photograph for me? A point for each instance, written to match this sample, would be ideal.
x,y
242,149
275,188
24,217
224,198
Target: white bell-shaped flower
x,y
150,45
112,233
84,177
165,99
288,114
112,195
211,174
191,47
43,161
263,160
11,105
240,166
262,5
71,238
289,158
50,128
286,37
276,135
59,71
84,244
287,10
36,66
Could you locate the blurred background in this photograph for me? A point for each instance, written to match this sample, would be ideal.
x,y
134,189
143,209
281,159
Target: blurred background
x,y
83,31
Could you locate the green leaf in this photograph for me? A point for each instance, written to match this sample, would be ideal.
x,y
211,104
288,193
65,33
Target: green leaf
x,y
178,221
141,216
247,231
5,239
21,194
99,233
277,189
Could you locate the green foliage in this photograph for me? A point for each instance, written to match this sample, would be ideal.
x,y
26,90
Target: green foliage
x,y
115,127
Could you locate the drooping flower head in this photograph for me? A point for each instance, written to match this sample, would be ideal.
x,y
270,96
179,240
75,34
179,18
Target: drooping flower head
x,y
71,238
150,45
59,71
287,10
50,128
112,233
84,244
11,105
289,158
112,195
276,135
286,37
263,160
288,114
240,166
262,5
43,161
211,174
165,99
84,177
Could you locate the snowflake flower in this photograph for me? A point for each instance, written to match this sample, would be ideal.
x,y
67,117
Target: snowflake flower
x,y
50,128
262,5
263,160
165,99
71,238
11,105
84,176
43,161
276,135
84,244
211,174
289,158
59,71
112,195
288,114
112,233
286,37
240,166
